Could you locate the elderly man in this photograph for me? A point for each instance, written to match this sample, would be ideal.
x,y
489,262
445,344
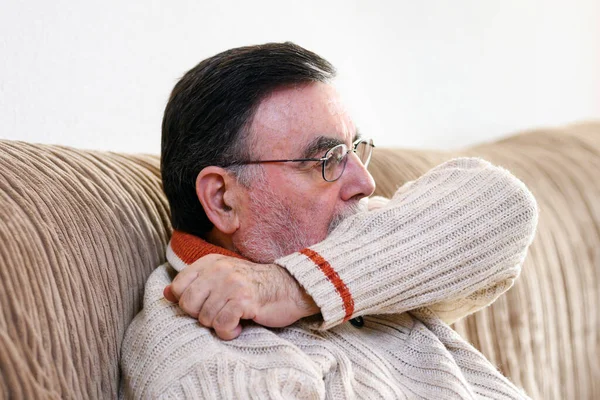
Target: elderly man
x,y
300,287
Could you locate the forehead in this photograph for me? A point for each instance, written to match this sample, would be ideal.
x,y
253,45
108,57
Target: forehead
x,y
291,118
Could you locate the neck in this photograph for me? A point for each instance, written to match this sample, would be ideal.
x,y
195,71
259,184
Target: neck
x,y
220,239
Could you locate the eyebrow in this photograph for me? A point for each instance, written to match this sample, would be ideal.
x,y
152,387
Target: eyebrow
x,y
321,144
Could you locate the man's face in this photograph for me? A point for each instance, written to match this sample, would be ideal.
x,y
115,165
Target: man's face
x,y
292,207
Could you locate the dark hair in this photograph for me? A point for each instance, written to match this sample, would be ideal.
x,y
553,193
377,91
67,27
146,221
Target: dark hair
x,y
207,117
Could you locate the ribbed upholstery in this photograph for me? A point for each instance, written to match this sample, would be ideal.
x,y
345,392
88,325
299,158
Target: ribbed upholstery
x,y
80,231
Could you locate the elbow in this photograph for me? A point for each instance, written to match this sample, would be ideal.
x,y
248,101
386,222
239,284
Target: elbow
x,y
525,207
517,211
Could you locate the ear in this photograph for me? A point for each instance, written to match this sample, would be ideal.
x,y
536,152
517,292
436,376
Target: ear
x,y
215,189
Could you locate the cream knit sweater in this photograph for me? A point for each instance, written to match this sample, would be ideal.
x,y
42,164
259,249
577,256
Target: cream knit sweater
x,y
444,246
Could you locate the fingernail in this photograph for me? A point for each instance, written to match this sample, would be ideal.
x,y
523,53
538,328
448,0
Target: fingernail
x,y
168,294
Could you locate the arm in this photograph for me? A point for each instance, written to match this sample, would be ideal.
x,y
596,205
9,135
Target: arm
x,y
452,240
453,310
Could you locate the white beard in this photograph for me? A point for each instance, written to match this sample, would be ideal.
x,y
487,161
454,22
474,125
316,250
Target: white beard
x,y
277,233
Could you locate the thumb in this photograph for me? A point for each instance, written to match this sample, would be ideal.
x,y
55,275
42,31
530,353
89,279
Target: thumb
x,y
168,293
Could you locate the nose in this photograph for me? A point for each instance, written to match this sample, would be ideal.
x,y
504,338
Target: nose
x,y
357,182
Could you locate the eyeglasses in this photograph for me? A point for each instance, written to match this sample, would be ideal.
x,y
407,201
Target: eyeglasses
x,y
335,159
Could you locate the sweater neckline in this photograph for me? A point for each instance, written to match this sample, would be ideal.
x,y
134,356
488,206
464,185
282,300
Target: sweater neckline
x,y
185,248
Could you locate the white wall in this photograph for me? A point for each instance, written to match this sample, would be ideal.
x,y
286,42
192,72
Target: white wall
x,y
430,73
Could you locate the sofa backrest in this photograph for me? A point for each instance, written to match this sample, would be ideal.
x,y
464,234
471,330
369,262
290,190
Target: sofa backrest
x,y
79,233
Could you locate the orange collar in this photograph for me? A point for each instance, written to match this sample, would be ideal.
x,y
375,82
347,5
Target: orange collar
x,y
185,248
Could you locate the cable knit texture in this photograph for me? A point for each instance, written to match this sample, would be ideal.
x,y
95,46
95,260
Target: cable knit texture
x,y
444,246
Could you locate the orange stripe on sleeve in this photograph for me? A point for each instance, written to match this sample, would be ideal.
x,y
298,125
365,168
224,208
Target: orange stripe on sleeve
x,y
334,278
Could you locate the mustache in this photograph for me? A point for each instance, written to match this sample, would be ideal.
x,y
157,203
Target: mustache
x,y
348,211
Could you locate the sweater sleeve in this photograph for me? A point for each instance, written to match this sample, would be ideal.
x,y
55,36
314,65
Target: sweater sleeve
x,y
453,310
452,240
167,354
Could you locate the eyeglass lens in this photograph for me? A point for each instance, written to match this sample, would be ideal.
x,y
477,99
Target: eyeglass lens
x,y
337,158
364,151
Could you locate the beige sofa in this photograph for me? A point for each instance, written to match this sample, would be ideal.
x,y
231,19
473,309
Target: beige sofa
x,y
81,230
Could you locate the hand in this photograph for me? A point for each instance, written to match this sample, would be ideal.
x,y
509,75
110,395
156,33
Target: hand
x,y
220,291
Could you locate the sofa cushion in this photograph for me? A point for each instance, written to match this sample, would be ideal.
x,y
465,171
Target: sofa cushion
x,y
80,231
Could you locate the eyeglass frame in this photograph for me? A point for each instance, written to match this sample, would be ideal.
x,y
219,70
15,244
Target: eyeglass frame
x,y
324,159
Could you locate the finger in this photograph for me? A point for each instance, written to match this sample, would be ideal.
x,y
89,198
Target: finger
x,y
168,294
193,298
183,280
193,272
211,307
227,322
230,335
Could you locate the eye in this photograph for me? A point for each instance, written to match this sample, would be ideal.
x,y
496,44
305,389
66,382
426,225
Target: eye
x,y
334,158
336,155
308,165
